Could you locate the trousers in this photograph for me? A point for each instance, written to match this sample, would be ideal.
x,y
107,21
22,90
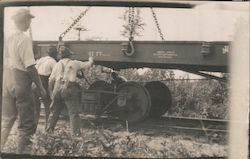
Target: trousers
x,y
18,102
46,101
68,96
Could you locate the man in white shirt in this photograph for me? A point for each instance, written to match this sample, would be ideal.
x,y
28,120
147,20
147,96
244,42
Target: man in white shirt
x,y
65,90
19,73
44,67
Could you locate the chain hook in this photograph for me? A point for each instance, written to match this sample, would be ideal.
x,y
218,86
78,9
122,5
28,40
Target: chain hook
x,y
128,48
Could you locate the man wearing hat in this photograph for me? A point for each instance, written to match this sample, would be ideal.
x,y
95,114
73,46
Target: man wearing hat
x,y
65,90
44,67
19,73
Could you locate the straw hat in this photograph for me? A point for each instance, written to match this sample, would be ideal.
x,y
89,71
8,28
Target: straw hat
x,y
22,14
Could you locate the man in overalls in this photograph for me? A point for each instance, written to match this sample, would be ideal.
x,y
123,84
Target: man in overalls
x,y
44,67
19,73
65,90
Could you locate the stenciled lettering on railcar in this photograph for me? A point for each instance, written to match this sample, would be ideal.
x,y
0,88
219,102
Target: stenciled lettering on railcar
x,y
97,54
168,54
225,49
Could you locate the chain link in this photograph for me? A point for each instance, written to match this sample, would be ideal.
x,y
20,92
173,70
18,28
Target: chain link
x,y
74,23
131,17
157,24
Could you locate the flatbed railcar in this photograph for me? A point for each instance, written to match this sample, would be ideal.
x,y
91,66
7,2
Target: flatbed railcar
x,y
132,101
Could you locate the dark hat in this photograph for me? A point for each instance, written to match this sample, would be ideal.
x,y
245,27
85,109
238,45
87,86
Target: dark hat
x,y
52,51
21,14
66,52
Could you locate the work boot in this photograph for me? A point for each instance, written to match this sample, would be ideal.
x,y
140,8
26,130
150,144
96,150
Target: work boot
x,y
76,137
77,134
24,145
27,150
49,130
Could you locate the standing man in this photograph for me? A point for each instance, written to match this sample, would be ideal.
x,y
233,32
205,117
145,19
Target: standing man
x,y
65,90
44,67
19,73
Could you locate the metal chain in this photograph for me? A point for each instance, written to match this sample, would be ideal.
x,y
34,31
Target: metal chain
x,y
74,23
131,17
157,24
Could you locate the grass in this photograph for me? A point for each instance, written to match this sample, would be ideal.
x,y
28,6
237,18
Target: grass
x,y
98,142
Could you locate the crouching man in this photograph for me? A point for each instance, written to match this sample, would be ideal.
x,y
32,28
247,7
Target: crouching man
x,y
65,90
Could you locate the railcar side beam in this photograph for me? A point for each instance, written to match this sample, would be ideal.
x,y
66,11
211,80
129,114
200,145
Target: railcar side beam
x,y
195,56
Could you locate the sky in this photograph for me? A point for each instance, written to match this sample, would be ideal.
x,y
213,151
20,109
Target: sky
x,y
206,22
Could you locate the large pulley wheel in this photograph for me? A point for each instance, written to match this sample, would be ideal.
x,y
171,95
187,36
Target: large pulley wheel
x,y
137,104
102,86
161,99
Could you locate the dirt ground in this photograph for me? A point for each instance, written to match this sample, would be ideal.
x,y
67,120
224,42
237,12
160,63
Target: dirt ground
x,y
100,142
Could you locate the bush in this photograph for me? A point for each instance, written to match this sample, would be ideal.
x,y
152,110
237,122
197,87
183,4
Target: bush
x,y
202,99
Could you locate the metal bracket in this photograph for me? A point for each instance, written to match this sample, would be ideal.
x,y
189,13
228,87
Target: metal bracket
x,y
206,49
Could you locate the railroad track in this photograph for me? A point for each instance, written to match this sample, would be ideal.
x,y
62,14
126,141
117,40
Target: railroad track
x,y
168,122
162,123
211,128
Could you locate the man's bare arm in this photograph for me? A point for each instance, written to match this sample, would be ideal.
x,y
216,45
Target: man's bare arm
x,y
51,86
87,64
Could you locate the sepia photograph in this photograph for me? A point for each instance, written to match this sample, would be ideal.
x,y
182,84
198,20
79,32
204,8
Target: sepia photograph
x,y
125,79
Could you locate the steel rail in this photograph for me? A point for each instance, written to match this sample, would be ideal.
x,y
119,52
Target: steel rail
x,y
161,124
184,123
